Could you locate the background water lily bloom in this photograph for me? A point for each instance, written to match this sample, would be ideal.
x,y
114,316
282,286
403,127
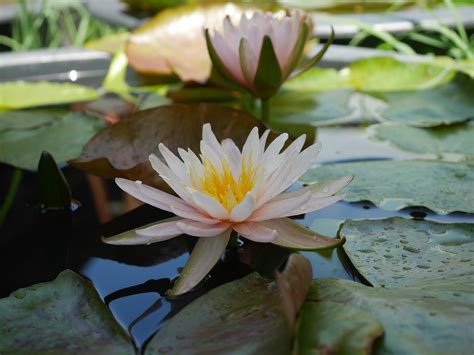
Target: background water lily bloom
x,y
227,189
262,51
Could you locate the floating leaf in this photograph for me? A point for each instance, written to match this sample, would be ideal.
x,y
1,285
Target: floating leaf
x,y
173,41
318,79
440,186
317,109
465,66
388,74
24,135
399,252
416,320
423,274
326,96
22,94
446,104
437,140
245,316
333,328
64,316
122,150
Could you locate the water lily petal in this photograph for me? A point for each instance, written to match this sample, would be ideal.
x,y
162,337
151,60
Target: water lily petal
x,y
276,183
160,231
256,232
194,215
234,156
251,149
248,62
229,57
208,153
205,255
244,209
282,208
263,140
324,189
291,234
199,229
163,230
209,137
316,203
174,163
170,178
209,205
276,145
151,196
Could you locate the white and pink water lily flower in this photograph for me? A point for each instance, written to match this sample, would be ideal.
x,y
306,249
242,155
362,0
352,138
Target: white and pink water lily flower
x,y
262,51
226,189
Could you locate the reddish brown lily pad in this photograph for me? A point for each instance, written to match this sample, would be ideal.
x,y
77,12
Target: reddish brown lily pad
x,y
122,150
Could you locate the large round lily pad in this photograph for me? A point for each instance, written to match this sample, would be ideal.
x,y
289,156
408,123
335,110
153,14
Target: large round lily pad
x,y
246,316
416,320
24,135
64,316
395,184
400,252
437,140
122,150
446,104
22,94
384,74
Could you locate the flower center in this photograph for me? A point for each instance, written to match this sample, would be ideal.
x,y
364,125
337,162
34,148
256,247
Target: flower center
x,y
223,186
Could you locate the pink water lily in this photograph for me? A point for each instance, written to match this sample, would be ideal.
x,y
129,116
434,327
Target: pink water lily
x,y
262,51
226,189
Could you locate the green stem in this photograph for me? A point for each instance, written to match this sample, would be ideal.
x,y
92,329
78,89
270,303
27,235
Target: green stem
x,y
265,110
11,193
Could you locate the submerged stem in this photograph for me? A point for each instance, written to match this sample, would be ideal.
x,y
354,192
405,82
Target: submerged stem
x,y
265,110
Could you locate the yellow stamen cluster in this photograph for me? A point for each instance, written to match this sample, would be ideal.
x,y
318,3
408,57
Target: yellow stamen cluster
x,y
221,184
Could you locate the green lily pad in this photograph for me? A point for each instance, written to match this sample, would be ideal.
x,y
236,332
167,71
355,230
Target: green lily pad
x,y
317,108
318,79
416,320
437,140
385,74
334,328
122,150
24,135
64,316
465,66
446,104
245,316
398,252
22,94
440,186
165,44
